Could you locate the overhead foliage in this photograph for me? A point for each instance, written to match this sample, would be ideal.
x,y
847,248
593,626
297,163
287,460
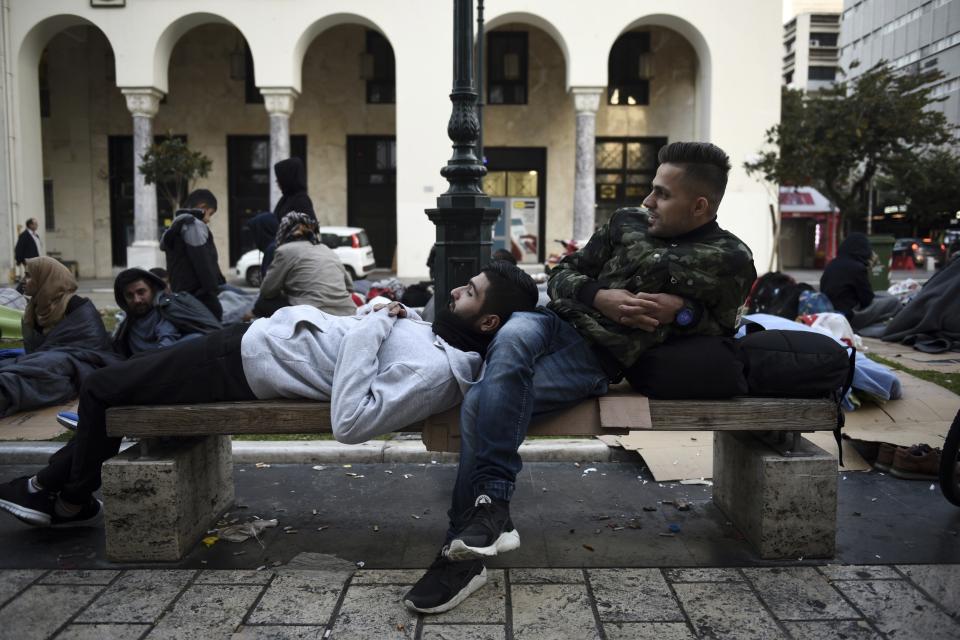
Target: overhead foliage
x,y
840,138
173,167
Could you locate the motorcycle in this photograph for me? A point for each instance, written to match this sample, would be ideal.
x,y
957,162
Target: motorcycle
x,y
569,247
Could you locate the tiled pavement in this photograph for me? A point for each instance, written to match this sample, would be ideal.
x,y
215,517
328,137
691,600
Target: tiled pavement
x,y
805,603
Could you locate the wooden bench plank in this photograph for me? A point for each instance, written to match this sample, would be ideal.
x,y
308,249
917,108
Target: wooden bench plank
x,y
292,416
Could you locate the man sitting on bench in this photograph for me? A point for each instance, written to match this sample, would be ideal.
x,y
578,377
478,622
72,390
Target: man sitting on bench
x,y
647,275
381,371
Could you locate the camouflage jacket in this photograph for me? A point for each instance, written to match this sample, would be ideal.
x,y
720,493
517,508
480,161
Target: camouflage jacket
x,y
708,266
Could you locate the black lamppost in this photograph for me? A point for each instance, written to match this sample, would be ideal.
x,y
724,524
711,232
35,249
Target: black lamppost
x,y
463,215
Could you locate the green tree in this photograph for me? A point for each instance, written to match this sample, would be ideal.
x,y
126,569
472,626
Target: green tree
x,y
173,167
930,187
839,139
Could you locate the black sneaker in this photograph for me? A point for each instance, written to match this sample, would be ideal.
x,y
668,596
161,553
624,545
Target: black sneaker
x,y
488,531
445,585
33,508
90,515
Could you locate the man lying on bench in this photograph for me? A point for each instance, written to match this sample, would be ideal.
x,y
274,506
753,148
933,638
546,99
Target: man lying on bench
x,y
381,371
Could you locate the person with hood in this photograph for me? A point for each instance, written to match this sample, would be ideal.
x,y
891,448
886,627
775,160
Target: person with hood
x,y
192,260
264,226
64,340
846,282
380,372
155,316
304,271
292,179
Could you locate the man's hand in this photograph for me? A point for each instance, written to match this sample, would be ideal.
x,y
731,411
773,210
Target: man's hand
x,y
394,309
644,311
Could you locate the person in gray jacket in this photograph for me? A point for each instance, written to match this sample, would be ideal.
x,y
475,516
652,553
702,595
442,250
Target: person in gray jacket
x,y
380,371
304,271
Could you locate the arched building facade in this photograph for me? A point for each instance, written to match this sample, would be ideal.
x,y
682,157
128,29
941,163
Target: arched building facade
x,y
578,97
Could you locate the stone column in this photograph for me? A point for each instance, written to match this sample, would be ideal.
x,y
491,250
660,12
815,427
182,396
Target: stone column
x,y
586,100
145,252
279,103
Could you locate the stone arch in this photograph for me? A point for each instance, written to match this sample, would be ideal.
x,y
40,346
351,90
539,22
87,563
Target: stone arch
x,y
533,20
315,29
171,35
28,178
700,46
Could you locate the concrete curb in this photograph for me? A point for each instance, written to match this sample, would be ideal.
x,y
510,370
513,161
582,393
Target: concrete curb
x,y
328,451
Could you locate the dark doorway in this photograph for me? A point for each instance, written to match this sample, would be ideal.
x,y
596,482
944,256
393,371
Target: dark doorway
x,y
517,177
372,192
248,181
120,165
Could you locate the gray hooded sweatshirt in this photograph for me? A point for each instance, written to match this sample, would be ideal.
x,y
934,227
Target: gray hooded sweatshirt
x,y
379,373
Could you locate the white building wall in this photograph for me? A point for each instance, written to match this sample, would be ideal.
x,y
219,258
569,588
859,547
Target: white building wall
x,y
736,43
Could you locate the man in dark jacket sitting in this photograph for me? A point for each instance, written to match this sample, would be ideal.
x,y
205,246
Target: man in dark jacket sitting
x,y
146,327
191,253
845,281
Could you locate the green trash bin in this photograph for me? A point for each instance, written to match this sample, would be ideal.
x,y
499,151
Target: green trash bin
x,y
880,266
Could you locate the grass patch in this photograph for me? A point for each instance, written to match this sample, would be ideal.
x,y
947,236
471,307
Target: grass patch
x,y
949,381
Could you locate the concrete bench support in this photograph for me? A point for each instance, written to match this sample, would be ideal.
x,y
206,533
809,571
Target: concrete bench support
x,y
160,497
785,506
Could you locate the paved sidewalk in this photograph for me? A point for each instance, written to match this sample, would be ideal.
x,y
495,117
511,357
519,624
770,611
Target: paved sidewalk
x,y
832,601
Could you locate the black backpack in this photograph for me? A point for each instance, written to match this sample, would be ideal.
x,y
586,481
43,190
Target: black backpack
x,y
797,364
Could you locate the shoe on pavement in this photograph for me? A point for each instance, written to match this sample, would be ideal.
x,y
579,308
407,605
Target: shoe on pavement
x,y
90,515
68,420
919,462
445,585
884,459
487,532
35,509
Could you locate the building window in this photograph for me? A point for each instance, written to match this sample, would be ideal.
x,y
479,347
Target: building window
x,y
823,39
822,73
625,169
252,93
50,224
44,78
507,67
628,70
379,70
788,78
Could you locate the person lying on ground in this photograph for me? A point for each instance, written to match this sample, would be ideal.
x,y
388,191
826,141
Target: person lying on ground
x,y
380,372
304,271
846,282
64,340
665,271
148,325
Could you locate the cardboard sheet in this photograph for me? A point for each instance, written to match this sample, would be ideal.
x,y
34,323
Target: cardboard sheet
x,y
631,412
673,455
34,425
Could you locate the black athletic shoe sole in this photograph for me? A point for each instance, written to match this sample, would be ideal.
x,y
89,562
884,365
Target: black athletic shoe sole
x,y
475,583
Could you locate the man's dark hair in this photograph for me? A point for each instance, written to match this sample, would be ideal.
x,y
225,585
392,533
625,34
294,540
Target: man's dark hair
x,y
29,220
503,254
200,197
704,163
511,289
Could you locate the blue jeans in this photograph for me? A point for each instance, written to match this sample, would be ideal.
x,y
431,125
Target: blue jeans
x,y
537,363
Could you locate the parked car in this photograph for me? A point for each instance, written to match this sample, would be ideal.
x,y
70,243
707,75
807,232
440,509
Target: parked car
x,y
349,243
952,241
919,249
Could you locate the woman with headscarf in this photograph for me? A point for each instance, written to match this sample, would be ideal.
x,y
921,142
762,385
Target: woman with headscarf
x,y
304,271
292,179
63,337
